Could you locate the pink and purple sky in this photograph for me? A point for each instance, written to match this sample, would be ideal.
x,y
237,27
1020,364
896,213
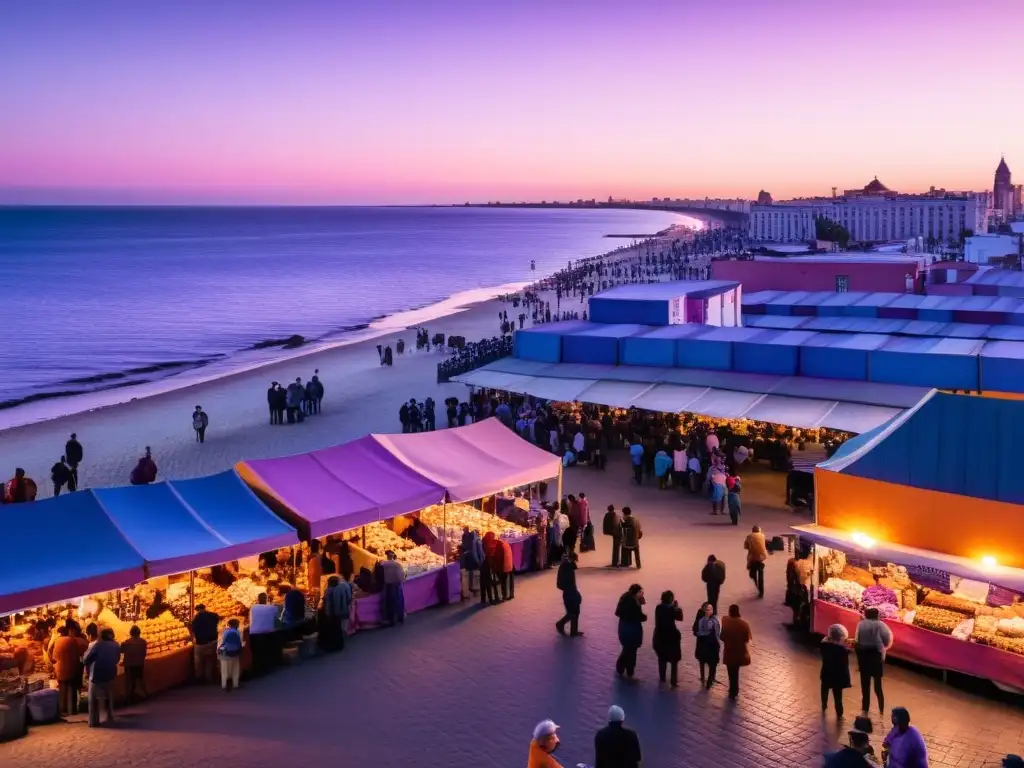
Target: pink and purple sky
x,y
406,101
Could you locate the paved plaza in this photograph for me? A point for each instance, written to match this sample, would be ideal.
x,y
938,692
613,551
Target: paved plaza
x,y
461,687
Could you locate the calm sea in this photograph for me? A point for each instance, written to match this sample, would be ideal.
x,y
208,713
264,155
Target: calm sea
x,y
95,298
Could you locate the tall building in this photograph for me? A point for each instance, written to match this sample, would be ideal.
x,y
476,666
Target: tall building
x,y
1006,196
873,214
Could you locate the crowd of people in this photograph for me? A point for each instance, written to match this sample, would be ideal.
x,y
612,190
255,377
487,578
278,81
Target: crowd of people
x,y
290,404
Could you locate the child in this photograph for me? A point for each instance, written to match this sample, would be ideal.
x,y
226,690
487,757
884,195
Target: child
x,y
229,652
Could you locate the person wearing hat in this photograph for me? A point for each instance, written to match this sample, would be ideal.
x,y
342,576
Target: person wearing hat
x,y
615,745
857,752
545,742
904,743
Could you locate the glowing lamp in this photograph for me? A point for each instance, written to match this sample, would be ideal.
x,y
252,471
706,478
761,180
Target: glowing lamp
x,y
863,540
989,562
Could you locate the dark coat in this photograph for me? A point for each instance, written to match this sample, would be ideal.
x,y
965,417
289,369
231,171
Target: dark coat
x,y
668,640
714,573
566,581
631,618
616,746
835,665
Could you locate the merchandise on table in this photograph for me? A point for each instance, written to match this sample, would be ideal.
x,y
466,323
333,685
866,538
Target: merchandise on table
x,y
963,615
416,559
459,516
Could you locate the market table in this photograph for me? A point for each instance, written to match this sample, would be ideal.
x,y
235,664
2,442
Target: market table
x,y
930,649
441,585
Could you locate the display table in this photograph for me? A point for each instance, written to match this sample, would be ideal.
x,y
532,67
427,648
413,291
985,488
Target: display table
x,y
159,672
930,649
428,589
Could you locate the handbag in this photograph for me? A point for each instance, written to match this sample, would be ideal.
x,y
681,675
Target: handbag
x,y
588,544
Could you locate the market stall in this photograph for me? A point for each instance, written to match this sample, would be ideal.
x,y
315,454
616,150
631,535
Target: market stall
x,y
360,492
174,531
920,518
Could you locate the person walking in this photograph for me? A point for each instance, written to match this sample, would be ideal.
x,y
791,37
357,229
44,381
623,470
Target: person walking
x,y
632,532
736,640
835,667
636,456
75,453
668,640
615,745
713,576
101,662
904,744
631,629
708,631
757,553
873,638
734,487
229,654
612,526
199,423
571,597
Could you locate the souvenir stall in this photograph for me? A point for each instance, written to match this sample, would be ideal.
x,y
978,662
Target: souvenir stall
x,y
364,493
169,534
920,518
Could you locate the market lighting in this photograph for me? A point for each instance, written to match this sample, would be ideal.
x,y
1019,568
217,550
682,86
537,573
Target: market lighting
x,y
863,540
989,562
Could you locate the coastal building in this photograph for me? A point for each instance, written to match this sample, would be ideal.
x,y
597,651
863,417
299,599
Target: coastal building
x,y
873,213
824,272
1006,196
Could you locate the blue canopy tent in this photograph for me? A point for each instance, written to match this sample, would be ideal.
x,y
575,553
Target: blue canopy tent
x,y
183,525
61,548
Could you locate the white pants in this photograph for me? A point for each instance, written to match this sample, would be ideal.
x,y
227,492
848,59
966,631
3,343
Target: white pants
x,y
230,669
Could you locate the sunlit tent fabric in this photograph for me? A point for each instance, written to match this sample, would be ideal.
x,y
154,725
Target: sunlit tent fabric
x,y
943,476
473,461
340,488
183,525
74,550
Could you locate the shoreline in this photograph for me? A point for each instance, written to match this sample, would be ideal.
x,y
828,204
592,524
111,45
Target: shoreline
x,y
117,388
44,408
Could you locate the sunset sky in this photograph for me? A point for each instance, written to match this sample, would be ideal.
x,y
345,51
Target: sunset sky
x,y
383,101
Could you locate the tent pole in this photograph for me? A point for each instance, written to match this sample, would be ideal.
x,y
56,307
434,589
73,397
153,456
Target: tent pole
x,y
444,530
558,498
191,594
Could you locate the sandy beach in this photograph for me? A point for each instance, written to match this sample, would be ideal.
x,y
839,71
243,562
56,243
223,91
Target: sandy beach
x,y
361,397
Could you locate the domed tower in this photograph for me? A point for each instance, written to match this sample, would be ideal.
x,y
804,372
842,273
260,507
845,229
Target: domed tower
x,y
1002,190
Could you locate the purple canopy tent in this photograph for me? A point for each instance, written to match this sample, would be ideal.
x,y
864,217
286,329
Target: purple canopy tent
x,y
339,488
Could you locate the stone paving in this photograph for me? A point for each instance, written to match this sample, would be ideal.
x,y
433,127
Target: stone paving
x,y
462,687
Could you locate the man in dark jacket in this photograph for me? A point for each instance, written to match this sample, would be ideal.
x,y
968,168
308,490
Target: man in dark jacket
x,y
713,576
74,453
272,402
204,650
856,753
615,745
571,597
318,391
612,526
61,475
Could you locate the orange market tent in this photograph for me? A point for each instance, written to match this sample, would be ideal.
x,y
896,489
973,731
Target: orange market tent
x,y
943,476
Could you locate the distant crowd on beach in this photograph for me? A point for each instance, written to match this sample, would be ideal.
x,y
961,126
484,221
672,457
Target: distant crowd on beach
x,y
296,401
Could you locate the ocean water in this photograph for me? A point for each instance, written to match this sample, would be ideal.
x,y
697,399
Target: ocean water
x,y
96,298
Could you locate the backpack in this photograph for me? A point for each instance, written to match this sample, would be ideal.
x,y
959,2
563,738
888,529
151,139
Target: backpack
x,y
231,643
611,526
629,538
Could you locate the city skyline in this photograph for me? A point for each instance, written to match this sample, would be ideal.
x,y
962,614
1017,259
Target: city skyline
x,y
405,104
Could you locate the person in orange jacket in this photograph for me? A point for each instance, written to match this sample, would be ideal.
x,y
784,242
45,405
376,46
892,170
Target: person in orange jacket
x,y
499,556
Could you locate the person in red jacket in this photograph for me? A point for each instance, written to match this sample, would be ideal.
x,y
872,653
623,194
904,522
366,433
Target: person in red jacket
x,y
499,556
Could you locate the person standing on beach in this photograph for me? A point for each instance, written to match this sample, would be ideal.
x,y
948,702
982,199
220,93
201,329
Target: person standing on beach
x,y
61,475
145,471
199,423
272,402
74,453
318,391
